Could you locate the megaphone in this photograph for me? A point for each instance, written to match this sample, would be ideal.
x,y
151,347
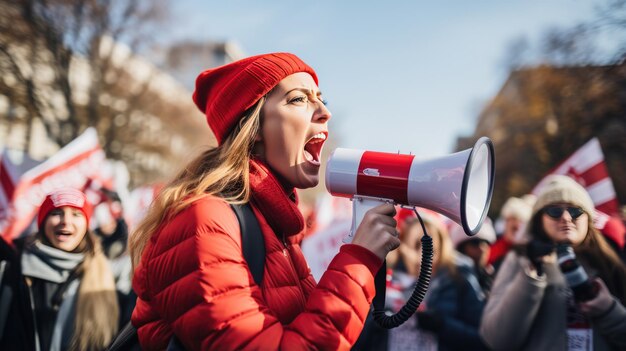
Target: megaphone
x,y
459,186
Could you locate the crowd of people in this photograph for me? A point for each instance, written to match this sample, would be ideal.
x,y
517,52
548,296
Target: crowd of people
x,y
541,278
548,280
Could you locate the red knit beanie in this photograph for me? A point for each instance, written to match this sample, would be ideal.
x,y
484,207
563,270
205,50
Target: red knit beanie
x,y
64,197
226,92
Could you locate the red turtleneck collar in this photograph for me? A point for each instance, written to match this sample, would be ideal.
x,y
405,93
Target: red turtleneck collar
x,y
278,204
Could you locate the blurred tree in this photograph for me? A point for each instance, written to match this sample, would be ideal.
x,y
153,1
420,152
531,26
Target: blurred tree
x,y
516,53
543,114
553,104
40,41
64,64
569,46
612,18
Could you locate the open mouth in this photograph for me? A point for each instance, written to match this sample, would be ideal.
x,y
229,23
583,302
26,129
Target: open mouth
x,y
62,234
313,148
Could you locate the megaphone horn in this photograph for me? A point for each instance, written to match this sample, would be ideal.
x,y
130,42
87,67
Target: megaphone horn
x,y
459,185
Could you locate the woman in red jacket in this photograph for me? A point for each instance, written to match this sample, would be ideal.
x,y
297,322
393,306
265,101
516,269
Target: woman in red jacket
x,y
192,281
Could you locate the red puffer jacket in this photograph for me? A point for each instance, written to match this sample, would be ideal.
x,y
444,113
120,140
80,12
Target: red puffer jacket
x,y
193,281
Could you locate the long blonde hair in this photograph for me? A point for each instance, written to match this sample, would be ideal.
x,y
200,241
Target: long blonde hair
x,y
97,311
442,245
444,250
222,171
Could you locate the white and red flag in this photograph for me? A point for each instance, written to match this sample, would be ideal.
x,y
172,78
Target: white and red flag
x,y
139,203
333,223
9,175
21,194
588,168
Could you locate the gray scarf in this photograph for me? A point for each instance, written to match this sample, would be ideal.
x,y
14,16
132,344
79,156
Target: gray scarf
x,y
47,263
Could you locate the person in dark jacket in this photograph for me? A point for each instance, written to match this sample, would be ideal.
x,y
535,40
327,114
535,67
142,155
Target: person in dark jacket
x,y
57,291
477,248
112,231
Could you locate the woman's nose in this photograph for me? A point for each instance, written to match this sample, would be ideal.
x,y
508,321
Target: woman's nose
x,y
63,218
322,113
566,216
67,219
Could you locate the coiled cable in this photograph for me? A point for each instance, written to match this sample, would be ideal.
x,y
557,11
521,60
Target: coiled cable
x,y
421,287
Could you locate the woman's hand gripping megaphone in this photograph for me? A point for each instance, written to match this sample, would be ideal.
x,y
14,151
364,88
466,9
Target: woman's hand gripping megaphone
x,y
377,230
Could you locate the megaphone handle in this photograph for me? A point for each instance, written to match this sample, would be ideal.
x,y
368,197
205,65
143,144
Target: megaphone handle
x,y
360,206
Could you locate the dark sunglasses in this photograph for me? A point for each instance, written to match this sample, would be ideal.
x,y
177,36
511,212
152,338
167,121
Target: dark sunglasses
x,y
557,211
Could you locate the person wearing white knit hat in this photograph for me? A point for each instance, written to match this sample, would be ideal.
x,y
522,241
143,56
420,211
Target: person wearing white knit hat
x,y
486,233
515,212
565,288
477,248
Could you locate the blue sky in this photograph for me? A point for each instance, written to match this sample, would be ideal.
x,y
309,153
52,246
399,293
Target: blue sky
x,y
406,76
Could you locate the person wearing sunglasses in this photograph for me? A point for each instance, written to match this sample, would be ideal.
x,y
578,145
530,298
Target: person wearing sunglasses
x,y
532,306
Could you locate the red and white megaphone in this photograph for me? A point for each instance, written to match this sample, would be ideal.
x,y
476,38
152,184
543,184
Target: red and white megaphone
x,y
458,186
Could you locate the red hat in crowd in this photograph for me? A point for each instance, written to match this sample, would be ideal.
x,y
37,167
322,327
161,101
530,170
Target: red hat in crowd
x,y
224,93
429,216
64,197
402,215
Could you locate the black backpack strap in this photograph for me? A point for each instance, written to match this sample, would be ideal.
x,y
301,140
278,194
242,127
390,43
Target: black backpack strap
x,y
6,294
253,247
126,339
252,242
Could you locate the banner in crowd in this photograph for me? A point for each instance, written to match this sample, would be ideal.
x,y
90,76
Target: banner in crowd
x,y
588,168
21,194
139,202
333,223
9,174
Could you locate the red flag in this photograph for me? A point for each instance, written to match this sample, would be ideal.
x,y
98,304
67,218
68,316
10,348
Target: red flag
x,y
72,166
588,168
612,227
